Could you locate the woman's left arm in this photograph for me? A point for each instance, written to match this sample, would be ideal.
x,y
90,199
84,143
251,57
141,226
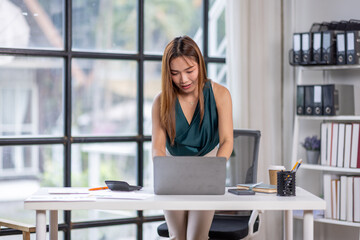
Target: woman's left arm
x,y
225,118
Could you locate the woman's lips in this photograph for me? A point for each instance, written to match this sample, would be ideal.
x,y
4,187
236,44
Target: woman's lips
x,y
186,86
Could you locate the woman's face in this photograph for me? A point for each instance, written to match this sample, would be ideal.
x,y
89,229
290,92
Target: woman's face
x,y
184,73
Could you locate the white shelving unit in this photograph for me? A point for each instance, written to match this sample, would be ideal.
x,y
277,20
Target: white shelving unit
x,y
335,170
332,221
310,176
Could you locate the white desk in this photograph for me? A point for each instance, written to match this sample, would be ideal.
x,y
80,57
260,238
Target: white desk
x,y
302,201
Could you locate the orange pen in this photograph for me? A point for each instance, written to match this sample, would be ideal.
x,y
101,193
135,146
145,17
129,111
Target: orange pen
x,y
98,188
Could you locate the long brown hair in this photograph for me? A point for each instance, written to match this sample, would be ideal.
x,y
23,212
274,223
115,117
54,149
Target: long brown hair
x,y
179,47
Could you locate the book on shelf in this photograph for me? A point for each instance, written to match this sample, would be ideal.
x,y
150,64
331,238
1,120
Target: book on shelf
x,y
354,145
358,157
327,194
338,194
334,144
340,143
347,145
349,203
343,196
334,198
323,149
328,143
356,201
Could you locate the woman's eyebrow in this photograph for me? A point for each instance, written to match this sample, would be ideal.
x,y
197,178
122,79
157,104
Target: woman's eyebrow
x,y
184,69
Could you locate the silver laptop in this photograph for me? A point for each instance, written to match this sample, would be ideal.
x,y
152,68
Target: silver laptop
x,y
189,175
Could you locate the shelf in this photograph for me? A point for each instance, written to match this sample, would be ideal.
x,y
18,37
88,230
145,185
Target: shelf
x,y
322,117
332,221
337,222
329,169
328,67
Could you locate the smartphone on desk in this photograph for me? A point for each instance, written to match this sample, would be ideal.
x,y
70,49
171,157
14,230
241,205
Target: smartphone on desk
x,y
241,191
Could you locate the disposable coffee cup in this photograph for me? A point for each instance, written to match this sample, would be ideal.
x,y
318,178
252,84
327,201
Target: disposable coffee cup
x,y
273,170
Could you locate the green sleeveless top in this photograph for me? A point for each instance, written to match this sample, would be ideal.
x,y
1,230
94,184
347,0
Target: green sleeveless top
x,y
196,139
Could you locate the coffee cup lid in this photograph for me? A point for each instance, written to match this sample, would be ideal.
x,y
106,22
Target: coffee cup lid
x,y
276,167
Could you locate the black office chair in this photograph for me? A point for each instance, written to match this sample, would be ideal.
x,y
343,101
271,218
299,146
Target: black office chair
x,y
242,168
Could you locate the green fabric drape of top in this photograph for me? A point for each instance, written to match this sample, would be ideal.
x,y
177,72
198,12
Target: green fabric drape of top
x,y
196,139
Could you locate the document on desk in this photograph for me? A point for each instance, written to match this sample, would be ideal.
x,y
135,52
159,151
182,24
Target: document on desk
x,y
68,190
61,198
107,194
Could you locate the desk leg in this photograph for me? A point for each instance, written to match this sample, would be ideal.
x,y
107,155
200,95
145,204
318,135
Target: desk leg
x,y
40,225
54,225
289,225
308,225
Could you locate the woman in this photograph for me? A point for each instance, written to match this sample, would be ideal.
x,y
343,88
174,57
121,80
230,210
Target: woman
x,y
192,116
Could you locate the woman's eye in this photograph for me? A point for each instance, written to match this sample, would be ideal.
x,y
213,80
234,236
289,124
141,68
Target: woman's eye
x,y
174,73
189,71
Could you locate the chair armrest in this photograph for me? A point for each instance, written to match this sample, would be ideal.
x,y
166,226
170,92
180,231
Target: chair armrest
x,y
17,225
252,219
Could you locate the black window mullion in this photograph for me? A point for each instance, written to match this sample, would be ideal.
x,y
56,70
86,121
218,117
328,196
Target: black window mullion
x,y
67,110
206,30
214,60
140,90
32,52
31,141
140,107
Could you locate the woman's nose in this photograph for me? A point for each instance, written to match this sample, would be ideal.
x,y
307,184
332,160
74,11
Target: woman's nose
x,y
183,77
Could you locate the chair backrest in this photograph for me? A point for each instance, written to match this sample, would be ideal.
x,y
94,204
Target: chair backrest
x,y
243,163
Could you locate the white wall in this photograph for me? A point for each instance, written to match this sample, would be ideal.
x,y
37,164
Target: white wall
x,y
299,15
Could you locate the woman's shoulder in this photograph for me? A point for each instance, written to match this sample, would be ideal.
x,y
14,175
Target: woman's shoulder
x,y
156,103
219,90
157,99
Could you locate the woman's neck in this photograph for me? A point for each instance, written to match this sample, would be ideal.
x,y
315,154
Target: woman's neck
x,y
191,98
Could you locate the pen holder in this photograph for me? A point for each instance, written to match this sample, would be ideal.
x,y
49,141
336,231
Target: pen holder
x,y
286,183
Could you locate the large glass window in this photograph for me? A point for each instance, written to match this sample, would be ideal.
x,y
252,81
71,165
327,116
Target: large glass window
x,y
25,83
32,24
23,169
152,87
217,36
77,83
109,25
165,20
125,232
104,97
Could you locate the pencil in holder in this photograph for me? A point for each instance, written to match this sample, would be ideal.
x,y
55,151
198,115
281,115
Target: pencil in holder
x,y
286,183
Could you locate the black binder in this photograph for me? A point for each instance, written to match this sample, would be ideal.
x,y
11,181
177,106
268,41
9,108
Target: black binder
x,y
340,48
328,99
317,100
309,100
297,48
352,47
305,48
316,49
328,47
300,110
338,99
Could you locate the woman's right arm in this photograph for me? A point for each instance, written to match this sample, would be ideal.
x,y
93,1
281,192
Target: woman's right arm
x,y
158,132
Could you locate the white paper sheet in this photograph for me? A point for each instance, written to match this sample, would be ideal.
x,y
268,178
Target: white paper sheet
x,y
140,195
61,198
68,190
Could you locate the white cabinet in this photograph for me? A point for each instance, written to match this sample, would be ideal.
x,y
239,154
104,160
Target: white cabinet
x,y
310,177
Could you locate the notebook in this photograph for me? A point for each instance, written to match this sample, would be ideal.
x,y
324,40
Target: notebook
x,y
264,188
189,175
